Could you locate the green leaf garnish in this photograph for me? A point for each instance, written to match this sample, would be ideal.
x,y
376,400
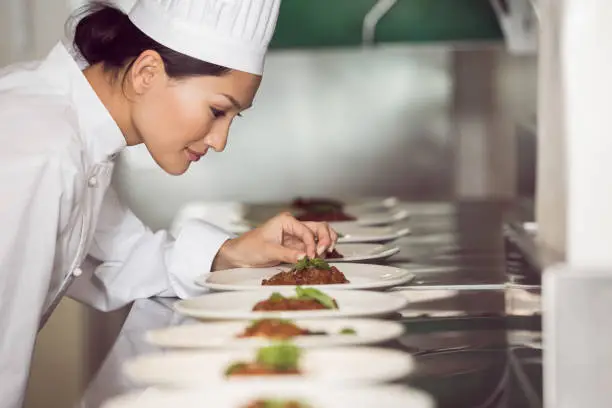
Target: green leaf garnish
x,y
315,294
282,403
276,297
234,367
306,263
348,330
282,356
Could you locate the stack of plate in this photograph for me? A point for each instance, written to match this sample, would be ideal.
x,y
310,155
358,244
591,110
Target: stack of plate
x,y
338,370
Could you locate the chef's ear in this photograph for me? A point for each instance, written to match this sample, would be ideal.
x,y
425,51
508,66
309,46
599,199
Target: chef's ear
x,y
146,70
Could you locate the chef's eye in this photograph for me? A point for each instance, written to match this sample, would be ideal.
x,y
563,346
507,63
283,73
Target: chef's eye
x,y
217,113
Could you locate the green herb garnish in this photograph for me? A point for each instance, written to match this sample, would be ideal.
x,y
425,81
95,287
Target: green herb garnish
x,y
276,403
348,330
276,297
306,263
282,356
315,294
234,367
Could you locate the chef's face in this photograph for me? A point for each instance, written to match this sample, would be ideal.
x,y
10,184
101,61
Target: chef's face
x,y
179,120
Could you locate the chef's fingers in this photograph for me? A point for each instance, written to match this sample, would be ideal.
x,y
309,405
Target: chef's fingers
x,y
324,236
295,228
282,254
334,237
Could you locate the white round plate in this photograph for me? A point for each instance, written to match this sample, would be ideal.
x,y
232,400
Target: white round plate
x,y
338,365
373,220
361,276
224,334
365,252
352,233
239,305
370,205
240,396
417,295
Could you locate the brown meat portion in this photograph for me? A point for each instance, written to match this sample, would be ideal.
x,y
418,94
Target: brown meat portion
x,y
251,369
275,329
325,216
308,276
334,255
288,304
307,203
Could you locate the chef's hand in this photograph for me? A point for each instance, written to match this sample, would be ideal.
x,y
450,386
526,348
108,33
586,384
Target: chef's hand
x,y
281,239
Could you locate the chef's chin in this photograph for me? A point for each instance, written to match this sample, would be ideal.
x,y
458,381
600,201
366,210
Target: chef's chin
x,y
175,166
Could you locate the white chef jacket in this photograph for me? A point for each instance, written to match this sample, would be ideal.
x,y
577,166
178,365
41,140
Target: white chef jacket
x,y
61,223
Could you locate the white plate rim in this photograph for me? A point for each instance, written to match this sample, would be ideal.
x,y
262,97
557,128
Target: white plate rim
x,y
380,219
384,237
387,251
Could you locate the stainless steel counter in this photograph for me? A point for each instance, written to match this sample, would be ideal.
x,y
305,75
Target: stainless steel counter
x,y
473,347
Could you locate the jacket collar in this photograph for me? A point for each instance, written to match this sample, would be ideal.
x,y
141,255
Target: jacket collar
x,y
102,137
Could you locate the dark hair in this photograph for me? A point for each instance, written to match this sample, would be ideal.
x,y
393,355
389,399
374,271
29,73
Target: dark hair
x,y
104,34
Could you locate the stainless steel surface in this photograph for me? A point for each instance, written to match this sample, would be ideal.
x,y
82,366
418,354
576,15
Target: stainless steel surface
x,y
474,348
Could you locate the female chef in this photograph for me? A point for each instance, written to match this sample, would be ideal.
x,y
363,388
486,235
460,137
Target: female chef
x,y
172,75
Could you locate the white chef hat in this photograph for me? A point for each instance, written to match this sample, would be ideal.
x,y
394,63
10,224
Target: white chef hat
x,y
231,33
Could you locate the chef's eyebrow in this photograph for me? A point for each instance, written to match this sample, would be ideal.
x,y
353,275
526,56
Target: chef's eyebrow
x,y
235,102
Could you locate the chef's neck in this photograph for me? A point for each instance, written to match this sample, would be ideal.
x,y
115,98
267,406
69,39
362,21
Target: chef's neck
x,y
109,90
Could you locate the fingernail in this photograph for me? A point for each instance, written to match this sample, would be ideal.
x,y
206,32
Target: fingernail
x,y
301,256
320,250
331,248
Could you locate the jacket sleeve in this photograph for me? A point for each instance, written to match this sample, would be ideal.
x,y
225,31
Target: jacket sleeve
x,y
128,261
32,190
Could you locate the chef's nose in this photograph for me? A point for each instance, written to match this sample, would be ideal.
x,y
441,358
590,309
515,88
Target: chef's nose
x,y
218,139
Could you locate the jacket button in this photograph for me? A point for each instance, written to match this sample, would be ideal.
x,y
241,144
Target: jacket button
x,y
77,272
92,182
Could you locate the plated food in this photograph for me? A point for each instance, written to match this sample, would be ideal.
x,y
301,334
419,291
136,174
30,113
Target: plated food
x,y
354,233
277,359
320,209
240,304
306,203
277,403
325,214
308,272
305,333
315,273
304,299
361,252
283,329
274,329
280,363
